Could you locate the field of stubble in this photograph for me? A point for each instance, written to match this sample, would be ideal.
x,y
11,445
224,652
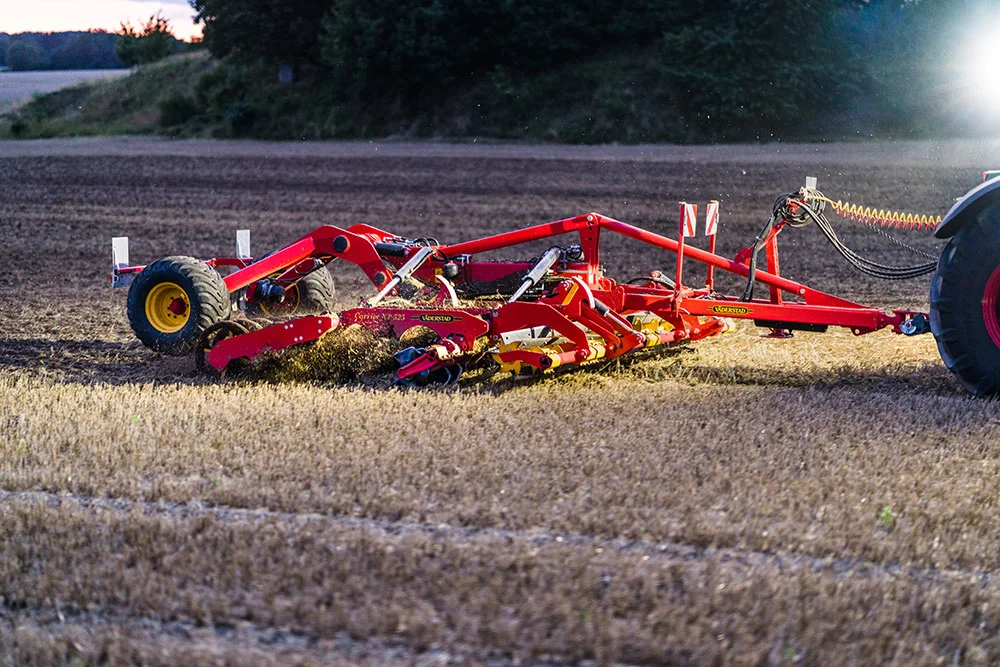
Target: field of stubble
x,y
822,500
16,87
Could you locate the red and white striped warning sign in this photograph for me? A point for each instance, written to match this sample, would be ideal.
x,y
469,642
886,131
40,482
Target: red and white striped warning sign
x,y
689,216
712,218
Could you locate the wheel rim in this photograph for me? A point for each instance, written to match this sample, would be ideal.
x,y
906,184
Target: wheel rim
x,y
168,308
991,306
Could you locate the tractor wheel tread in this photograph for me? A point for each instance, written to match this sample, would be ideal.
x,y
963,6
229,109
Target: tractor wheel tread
x,y
206,290
956,297
317,292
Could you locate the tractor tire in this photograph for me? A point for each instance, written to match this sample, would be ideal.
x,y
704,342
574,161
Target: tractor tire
x,y
173,301
965,303
312,295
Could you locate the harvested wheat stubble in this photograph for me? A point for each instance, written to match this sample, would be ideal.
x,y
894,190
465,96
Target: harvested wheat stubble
x,y
747,455
336,357
523,598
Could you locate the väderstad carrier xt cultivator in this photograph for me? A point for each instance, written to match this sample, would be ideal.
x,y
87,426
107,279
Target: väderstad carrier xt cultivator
x,y
560,309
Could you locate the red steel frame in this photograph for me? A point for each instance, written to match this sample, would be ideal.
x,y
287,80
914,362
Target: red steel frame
x,y
584,297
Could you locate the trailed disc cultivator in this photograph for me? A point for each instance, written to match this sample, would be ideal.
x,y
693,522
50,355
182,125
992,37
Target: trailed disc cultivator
x,y
560,308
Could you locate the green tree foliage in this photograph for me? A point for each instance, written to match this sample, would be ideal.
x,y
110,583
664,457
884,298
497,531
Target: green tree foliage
x,y
274,31
908,53
152,41
740,68
664,69
86,50
62,50
177,110
421,47
24,54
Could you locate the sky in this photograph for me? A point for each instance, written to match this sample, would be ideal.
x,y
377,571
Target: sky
x,y
59,15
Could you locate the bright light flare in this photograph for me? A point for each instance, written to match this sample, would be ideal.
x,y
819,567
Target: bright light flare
x,y
978,65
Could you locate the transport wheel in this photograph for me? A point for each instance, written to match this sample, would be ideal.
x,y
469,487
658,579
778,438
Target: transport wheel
x,y
965,303
212,336
312,294
173,301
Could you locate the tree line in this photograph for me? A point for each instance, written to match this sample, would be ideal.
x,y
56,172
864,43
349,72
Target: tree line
x,y
729,68
94,49
59,50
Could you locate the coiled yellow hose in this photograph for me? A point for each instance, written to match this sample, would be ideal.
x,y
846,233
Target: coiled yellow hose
x,y
883,218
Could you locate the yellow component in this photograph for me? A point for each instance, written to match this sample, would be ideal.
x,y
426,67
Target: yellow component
x,y
651,325
645,322
597,351
554,357
511,367
571,293
883,218
648,323
168,307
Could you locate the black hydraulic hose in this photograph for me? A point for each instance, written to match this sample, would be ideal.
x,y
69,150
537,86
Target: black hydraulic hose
x,y
758,244
863,264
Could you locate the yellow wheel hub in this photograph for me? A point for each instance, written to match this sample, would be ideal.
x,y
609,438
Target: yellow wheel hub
x,y
168,307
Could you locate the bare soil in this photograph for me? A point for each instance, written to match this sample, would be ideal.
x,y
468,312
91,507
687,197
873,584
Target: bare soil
x,y
821,500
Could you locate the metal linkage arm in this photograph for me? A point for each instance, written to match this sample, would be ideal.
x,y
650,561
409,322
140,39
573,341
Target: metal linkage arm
x,y
404,272
546,262
809,295
288,256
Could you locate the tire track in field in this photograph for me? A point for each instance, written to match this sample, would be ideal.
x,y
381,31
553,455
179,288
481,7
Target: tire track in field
x,y
245,640
663,551
957,153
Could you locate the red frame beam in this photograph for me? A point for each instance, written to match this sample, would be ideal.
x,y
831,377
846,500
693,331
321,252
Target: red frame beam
x,y
357,245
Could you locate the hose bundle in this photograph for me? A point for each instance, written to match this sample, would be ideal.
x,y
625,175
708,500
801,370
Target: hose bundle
x,y
813,207
801,209
871,216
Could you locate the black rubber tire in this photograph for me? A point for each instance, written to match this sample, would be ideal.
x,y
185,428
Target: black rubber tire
x,y
957,291
204,289
212,336
316,292
312,294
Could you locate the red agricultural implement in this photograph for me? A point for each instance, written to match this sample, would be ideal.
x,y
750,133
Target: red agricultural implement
x,y
560,308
